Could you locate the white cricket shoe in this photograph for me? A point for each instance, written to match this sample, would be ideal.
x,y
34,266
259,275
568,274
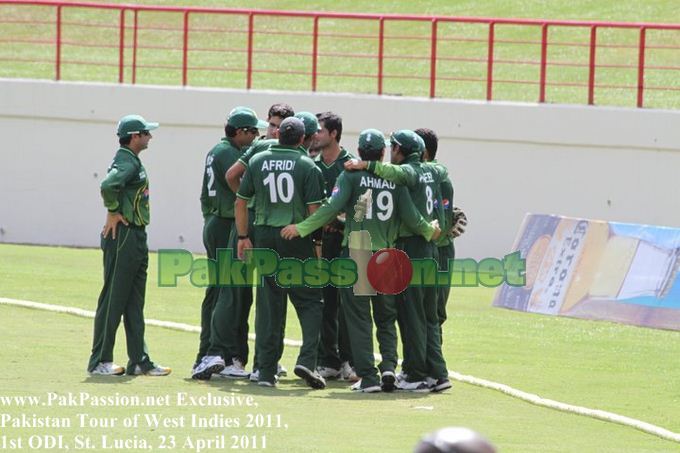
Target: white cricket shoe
x,y
347,373
327,372
209,364
107,369
417,386
313,379
157,370
356,387
234,371
438,385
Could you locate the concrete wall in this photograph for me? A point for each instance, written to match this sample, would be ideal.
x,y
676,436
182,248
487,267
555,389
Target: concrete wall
x,y
505,159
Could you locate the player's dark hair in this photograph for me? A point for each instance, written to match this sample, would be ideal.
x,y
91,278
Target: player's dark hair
x,y
291,136
431,140
124,141
370,154
230,131
283,111
331,122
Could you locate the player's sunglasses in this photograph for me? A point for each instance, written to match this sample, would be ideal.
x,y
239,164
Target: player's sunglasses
x,y
251,130
145,133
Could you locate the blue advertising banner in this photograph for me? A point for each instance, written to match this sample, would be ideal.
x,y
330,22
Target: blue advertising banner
x,y
598,270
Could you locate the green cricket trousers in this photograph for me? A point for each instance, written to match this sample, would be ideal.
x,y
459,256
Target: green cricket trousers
x,y
216,232
418,320
126,259
271,306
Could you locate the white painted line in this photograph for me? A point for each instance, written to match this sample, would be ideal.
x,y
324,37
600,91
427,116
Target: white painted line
x,y
524,396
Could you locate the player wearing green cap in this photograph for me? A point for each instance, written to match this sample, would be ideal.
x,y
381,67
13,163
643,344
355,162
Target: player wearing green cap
x,y
224,324
417,306
334,348
385,206
286,186
277,113
444,245
125,191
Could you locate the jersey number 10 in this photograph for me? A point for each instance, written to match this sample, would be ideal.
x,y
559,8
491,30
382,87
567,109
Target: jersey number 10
x,y
280,187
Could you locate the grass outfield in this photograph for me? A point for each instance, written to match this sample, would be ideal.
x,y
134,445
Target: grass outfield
x,y
91,53
627,370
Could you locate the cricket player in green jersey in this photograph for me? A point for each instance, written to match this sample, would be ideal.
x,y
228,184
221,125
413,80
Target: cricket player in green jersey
x,y
424,365
286,186
224,312
386,207
444,245
334,347
125,191
277,113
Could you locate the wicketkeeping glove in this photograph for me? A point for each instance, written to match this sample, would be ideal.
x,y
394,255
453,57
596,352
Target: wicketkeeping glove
x,y
459,222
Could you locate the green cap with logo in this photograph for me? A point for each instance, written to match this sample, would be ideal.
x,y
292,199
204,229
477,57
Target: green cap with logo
x,y
408,141
310,122
134,124
371,139
241,117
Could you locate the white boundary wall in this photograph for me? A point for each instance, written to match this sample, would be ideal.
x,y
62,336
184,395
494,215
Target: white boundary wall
x,y
505,159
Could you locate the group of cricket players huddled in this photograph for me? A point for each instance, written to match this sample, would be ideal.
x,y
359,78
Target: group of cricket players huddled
x,y
298,192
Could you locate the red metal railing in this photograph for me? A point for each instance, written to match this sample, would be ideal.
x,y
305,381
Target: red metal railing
x,y
438,55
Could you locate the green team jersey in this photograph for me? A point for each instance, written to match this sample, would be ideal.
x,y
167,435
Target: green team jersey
x,y
422,180
125,188
332,171
390,206
216,196
444,207
283,182
257,147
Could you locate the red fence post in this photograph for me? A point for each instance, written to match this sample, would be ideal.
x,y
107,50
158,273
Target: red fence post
x,y
544,61
315,51
57,60
489,62
381,54
433,59
134,49
591,65
185,50
121,48
641,68
249,74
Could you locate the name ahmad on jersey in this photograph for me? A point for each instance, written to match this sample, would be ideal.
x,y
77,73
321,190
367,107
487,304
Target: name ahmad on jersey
x,y
278,165
376,183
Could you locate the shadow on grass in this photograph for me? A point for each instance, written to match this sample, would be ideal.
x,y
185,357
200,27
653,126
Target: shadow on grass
x,y
109,379
293,387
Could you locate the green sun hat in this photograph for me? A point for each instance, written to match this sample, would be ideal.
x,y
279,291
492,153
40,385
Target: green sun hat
x,y
241,117
310,122
408,140
134,124
371,139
